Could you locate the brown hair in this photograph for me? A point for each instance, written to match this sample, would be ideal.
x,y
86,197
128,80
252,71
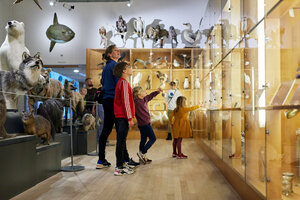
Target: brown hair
x,y
136,91
179,103
108,50
118,69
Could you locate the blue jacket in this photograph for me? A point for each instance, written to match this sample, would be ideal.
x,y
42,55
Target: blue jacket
x,y
109,81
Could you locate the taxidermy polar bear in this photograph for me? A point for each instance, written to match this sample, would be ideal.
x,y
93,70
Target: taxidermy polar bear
x,y
13,47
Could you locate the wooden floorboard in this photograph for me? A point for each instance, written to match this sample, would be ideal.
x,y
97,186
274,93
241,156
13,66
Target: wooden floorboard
x,y
165,178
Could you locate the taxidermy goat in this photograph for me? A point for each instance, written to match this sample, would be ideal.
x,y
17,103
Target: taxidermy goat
x,y
36,125
35,1
77,102
89,122
102,32
52,88
12,48
58,33
52,110
20,81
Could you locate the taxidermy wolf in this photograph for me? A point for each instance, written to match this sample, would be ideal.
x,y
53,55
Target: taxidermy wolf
x,y
18,82
52,110
36,125
51,88
77,102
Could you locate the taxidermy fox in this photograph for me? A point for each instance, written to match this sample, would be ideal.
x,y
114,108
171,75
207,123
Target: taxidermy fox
x,y
52,88
77,102
37,125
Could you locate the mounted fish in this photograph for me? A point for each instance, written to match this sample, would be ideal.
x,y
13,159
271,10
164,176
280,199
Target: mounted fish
x,y
59,33
138,25
36,1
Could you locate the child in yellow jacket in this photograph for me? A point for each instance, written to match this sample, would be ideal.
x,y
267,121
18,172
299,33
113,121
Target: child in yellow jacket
x,y
180,125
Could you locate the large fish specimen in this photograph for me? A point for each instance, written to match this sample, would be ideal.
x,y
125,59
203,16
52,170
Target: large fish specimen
x,y
36,1
59,33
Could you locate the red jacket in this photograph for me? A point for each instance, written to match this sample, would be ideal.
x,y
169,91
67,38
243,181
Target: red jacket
x,y
123,103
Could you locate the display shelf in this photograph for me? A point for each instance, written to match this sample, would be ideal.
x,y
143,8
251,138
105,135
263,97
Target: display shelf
x,y
154,68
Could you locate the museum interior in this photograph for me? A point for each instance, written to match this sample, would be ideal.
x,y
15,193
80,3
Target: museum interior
x,y
239,60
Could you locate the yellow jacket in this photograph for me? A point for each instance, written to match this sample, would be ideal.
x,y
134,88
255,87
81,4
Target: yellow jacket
x,y
180,122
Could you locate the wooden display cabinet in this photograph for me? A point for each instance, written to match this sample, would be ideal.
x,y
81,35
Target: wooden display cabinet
x,y
146,65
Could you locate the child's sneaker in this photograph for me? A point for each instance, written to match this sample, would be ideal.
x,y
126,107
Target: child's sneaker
x,y
133,163
181,156
174,155
120,172
102,164
141,157
126,165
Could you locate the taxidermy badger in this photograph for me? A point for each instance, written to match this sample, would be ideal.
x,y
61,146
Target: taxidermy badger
x,y
17,83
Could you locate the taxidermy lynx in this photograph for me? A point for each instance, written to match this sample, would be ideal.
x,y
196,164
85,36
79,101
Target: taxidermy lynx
x,y
36,125
77,102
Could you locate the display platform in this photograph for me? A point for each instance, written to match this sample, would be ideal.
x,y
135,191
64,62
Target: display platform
x,y
24,164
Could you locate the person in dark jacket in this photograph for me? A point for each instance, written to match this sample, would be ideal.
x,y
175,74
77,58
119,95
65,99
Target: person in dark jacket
x,y
109,82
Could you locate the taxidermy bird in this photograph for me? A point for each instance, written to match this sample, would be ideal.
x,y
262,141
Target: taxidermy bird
x,y
157,61
137,79
186,83
102,32
138,25
176,82
189,35
144,63
197,83
173,35
35,1
58,33
186,60
162,78
121,26
158,117
148,82
176,63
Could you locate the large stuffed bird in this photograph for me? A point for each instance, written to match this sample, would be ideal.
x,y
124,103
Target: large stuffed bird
x,y
189,35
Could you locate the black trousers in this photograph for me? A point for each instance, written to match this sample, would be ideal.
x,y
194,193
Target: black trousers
x,y
109,121
121,149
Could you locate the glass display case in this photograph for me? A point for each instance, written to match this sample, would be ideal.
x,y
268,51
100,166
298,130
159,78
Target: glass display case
x,y
251,89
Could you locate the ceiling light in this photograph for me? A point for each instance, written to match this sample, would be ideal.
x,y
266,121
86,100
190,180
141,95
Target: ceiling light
x,y
51,3
129,3
76,70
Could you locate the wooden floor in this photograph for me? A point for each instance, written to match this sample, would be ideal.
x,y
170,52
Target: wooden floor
x,y
165,178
